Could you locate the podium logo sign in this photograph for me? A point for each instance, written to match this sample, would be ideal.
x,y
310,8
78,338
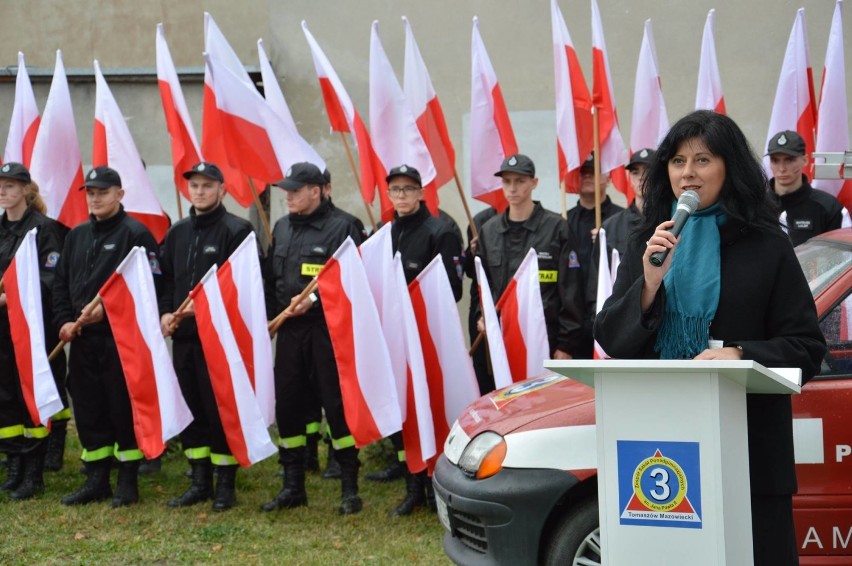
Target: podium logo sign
x,y
659,484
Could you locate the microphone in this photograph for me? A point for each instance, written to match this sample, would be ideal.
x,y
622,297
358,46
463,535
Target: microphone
x,y
686,205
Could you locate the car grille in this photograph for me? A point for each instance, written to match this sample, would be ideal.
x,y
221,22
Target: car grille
x,y
469,530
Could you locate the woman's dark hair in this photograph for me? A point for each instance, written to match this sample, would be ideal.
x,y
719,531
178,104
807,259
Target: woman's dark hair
x,y
744,196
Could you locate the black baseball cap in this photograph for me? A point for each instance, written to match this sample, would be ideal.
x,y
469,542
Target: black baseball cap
x,y
787,142
209,170
644,156
301,174
327,175
518,163
102,178
405,171
16,171
589,163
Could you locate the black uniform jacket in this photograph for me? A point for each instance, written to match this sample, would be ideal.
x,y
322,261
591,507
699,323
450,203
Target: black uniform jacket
x,y
419,237
301,244
92,252
559,270
192,246
580,223
619,228
49,239
765,307
810,212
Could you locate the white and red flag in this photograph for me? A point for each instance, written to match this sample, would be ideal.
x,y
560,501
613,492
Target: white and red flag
x,y
367,385
185,151
605,281
522,319
496,347
833,123
424,104
241,415
56,164
650,119
113,146
241,285
449,371
343,117
130,302
396,138
795,106
613,153
574,128
709,95
23,126
491,136
26,322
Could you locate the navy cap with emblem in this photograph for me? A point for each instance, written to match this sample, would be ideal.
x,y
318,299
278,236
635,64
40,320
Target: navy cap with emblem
x,y
102,178
209,170
301,174
787,142
16,171
518,163
644,156
405,171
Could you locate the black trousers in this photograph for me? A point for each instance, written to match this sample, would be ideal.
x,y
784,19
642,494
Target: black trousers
x,y
304,360
773,534
99,391
205,430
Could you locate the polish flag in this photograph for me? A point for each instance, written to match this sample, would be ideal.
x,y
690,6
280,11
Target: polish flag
x,y
56,163
213,147
496,347
449,371
367,385
522,318
795,105
423,100
574,127
343,117
650,120
605,281
491,136
185,152
25,119
242,417
130,302
26,322
613,153
290,146
396,138
709,95
241,284
833,124
113,146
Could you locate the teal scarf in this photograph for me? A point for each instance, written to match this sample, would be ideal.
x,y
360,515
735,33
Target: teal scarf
x,y
692,287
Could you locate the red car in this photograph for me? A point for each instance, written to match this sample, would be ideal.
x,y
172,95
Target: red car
x,y
517,482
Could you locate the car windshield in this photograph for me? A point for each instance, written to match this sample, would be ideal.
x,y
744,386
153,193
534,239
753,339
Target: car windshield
x,y
823,261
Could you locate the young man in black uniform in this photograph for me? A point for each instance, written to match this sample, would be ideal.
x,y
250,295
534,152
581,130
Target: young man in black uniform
x,y
192,246
809,211
303,241
92,252
505,240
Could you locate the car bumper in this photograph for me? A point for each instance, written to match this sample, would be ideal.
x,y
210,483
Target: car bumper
x,y
497,520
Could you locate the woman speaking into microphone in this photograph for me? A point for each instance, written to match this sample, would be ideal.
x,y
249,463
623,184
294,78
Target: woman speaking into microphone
x,y
731,279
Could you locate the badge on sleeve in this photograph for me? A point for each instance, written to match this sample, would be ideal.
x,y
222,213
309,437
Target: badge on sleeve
x,y
51,260
573,261
154,263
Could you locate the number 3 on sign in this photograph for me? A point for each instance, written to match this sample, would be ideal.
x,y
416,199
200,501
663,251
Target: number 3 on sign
x,y
661,476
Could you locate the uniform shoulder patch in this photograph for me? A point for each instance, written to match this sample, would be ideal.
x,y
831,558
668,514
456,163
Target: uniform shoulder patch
x,y
52,259
573,261
154,262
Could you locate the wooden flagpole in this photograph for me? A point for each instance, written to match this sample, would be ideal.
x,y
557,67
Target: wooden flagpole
x,y
564,198
179,204
473,229
264,220
358,180
276,322
86,311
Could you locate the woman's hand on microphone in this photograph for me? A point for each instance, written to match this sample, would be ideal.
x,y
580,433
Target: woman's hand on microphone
x,y
661,240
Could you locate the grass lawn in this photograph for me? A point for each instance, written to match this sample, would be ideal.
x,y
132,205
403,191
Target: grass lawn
x,y
41,531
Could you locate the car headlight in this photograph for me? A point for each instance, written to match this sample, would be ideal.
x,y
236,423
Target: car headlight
x,y
484,455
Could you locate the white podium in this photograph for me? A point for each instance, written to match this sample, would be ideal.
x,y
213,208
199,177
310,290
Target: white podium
x,y
673,473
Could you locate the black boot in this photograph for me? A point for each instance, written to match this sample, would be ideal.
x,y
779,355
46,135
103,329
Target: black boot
x,y
55,446
127,487
391,473
332,466
414,497
350,503
312,453
292,493
225,497
201,488
96,487
430,495
33,474
152,466
14,472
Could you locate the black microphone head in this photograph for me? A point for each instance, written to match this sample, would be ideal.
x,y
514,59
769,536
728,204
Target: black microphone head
x,y
689,201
